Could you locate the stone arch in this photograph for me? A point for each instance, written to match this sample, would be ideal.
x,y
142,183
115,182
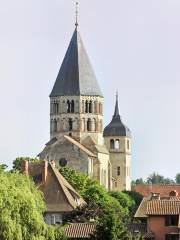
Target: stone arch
x,y
93,124
55,125
117,144
72,106
83,106
90,107
97,107
86,107
100,108
68,106
70,124
112,144
89,123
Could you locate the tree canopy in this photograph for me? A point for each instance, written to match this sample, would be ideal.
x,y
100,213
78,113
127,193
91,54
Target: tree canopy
x,y
112,211
156,178
21,210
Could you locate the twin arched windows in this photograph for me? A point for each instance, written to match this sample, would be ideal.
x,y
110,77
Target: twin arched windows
x,y
70,106
114,144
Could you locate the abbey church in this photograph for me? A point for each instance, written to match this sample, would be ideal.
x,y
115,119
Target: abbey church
x,y
77,136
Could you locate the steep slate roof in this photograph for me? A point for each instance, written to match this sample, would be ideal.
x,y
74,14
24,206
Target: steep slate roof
x,y
116,126
79,230
76,76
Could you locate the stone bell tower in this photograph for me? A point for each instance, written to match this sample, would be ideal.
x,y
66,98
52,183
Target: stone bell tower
x,y
118,141
76,101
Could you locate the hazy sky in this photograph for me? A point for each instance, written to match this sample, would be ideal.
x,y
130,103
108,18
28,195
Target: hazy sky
x,y
134,46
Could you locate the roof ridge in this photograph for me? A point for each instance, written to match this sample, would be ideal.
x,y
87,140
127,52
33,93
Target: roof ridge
x,y
65,189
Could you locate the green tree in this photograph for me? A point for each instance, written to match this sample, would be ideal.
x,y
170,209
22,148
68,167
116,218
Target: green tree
x,y
127,202
177,178
102,206
21,210
18,162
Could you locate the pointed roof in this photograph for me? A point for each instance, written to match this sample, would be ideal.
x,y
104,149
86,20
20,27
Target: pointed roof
x,y
76,76
116,126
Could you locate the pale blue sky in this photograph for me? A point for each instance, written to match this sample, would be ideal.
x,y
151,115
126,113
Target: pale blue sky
x,y
134,46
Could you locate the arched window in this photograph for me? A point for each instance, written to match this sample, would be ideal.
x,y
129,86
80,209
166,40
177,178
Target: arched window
x,y
55,125
70,124
112,144
86,107
117,145
68,106
118,171
128,145
89,124
72,106
100,108
83,107
90,107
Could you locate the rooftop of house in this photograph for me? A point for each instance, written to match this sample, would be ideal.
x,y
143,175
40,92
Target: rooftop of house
x,y
158,206
79,230
59,195
163,189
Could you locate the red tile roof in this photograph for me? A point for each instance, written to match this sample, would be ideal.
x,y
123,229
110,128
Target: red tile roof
x,y
163,207
79,230
163,189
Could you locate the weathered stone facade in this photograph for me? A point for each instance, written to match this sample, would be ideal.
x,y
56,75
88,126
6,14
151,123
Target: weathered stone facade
x,y
76,124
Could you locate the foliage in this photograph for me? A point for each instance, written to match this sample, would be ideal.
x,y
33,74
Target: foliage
x,y
21,210
127,202
18,161
138,181
156,178
111,211
177,178
78,180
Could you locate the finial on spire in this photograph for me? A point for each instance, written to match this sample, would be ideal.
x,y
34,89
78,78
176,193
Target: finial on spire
x,y
76,24
117,95
116,112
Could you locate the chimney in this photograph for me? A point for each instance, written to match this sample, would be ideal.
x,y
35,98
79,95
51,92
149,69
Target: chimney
x,y
44,171
25,167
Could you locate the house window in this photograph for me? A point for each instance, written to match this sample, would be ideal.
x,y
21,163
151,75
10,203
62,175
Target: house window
x,y
172,236
53,219
171,220
111,144
118,171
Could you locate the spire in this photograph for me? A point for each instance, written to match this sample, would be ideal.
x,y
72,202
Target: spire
x,y
116,111
116,127
76,23
76,76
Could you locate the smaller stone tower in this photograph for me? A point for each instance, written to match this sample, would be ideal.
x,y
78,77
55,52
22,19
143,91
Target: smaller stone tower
x,y
118,141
